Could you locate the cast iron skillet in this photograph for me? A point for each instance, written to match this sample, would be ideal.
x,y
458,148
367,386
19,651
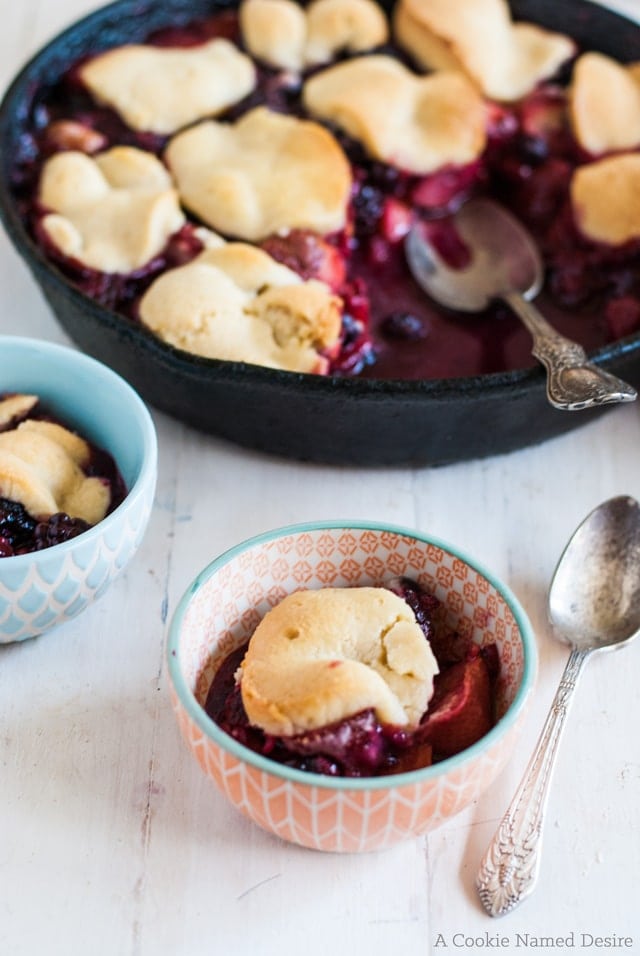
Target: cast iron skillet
x,y
332,420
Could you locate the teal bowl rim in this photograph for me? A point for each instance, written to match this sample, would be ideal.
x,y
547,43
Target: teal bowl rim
x,y
149,461
212,730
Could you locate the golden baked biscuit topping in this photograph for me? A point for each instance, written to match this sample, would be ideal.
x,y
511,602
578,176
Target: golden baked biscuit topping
x,y
286,35
41,467
321,656
113,212
161,90
604,104
505,59
605,197
261,175
235,302
417,123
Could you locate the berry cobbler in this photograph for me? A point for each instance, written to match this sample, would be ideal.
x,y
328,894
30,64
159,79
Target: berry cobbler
x,y
54,484
357,682
242,184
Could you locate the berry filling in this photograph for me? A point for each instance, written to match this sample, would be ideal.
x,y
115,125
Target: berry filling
x,y
390,329
461,711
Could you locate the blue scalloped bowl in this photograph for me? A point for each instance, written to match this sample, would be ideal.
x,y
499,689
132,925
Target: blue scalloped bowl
x,y
41,590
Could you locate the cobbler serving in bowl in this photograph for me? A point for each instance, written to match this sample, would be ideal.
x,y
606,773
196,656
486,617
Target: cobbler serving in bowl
x,y
78,462
54,484
236,184
357,682
349,685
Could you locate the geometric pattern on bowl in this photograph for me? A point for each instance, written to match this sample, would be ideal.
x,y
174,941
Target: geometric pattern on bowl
x,y
221,610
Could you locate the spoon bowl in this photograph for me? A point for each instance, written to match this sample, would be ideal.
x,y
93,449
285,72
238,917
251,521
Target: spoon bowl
x,y
594,598
503,258
503,262
594,604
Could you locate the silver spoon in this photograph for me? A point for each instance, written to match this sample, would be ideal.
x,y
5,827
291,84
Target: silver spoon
x,y
594,603
505,264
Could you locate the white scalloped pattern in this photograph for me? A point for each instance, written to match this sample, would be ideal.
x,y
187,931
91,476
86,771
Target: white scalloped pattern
x,y
57,586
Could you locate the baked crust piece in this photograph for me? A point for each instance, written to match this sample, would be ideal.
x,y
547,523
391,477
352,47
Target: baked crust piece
x,y
321,656
41,466
160,90
417,123
235,302
113,212
604,104
16,407
605,196
263,174
505,59
288,36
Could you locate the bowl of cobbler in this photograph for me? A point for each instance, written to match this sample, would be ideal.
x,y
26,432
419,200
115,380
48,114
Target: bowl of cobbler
x,y
346,685
214,198
77,479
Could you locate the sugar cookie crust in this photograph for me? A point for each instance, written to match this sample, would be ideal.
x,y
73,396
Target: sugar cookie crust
x,y
604,104
160,90
321,656
113,212
235,302
288,36
418,123
605,197
263,174
41,467
506,60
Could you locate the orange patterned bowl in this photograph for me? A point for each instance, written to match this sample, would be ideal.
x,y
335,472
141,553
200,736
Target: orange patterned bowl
x,y
220,611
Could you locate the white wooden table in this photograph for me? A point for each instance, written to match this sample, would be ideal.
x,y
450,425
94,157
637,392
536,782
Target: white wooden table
x,y
111,839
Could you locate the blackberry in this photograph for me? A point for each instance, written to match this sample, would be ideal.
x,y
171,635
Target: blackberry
x,y
368,204
57,529
16,527
403,325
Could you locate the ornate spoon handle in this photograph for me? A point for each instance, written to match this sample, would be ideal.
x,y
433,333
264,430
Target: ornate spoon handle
x,y
509,869
572,381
